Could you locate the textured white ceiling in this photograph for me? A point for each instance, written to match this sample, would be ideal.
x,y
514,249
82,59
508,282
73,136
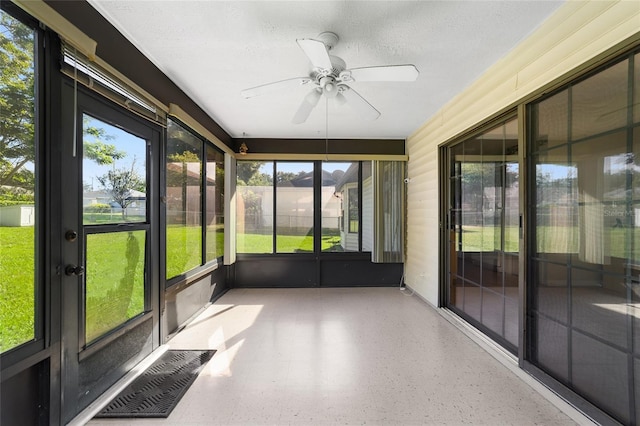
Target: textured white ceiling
x,y
214,49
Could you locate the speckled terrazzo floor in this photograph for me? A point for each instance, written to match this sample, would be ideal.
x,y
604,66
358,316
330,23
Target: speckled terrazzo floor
x,y
344,356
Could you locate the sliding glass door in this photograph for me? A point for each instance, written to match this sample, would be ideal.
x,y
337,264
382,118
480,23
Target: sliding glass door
x,y
483,215
584,281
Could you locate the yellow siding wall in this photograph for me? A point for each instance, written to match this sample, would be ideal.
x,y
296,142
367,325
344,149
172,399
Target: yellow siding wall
x,y
578,34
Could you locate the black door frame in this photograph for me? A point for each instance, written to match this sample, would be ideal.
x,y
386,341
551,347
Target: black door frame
x,y
75,101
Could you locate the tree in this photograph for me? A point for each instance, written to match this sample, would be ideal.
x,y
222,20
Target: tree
x,y
119,183
282,177
260,179
17,100
17,109
247,169
97,149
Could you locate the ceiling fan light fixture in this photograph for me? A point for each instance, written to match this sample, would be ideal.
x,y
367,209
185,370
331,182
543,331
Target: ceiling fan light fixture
x,y
329,86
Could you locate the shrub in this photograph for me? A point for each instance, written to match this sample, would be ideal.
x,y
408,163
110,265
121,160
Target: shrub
x,y
98,208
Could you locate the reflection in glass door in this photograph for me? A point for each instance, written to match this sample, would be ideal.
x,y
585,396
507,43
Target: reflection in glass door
x,y
484,232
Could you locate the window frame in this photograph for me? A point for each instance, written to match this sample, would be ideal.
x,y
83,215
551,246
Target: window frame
x,y
317,214
205,266
37,348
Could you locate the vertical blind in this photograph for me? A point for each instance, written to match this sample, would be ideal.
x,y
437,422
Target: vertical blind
x,y
388,218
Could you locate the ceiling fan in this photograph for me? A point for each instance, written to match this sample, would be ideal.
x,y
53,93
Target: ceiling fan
x,y
329,77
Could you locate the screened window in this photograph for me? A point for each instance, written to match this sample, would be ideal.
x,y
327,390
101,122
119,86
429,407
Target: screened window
x,y
254,227
340,206
294,207
354,221
215,203
184,208
18,193
277,215
194,201
367,207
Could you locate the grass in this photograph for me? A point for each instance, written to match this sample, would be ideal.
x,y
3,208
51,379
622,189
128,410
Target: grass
x,y
108,273
550,239
107,276
261,243
106,279
184,247
485,238
17,291
114,280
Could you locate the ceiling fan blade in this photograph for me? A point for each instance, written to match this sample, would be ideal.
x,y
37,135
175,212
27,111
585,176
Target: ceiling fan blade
x,y
358,103
316,51
308,104
274,87
383,73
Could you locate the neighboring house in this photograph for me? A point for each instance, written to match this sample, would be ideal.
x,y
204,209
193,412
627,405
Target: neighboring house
x,y
90,198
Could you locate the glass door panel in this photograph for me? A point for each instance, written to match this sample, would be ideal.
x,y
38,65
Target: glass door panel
x,y
484,232
114,179
114,294
114,183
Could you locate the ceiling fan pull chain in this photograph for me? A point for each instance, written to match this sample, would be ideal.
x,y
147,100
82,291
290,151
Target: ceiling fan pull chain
x,y
326,128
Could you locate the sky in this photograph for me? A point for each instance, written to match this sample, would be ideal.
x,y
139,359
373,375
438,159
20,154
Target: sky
x,y
134,146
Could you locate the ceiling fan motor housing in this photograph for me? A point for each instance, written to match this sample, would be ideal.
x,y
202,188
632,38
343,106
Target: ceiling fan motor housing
x,y
337,66
330,39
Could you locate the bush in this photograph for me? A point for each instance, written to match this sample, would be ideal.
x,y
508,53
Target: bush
x,y
9,198
98,208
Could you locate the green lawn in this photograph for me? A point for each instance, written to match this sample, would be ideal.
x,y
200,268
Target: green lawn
x,y
550,240
17,305
113,276
487,238
261,243
114,280
184,247
107,273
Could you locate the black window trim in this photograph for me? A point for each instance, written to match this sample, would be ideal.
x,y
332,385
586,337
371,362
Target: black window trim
x,y
37,349
205,267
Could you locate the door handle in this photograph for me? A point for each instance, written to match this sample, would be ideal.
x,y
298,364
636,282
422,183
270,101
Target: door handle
x,y
73,270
